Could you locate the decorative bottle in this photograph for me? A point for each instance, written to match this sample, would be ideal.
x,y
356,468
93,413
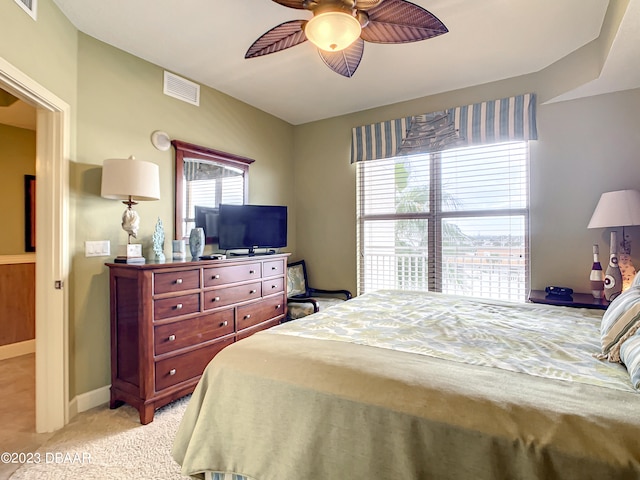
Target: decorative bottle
x,y
196,242
597,275
613,276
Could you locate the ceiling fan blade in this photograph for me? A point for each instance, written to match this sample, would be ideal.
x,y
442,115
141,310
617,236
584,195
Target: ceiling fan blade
x,y
291,3
345,62
399,21
285,35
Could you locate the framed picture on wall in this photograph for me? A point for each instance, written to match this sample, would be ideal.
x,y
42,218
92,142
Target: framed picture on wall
x,y
29,213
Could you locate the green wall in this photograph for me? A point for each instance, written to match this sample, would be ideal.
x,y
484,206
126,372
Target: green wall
x,y
46,50
17,159
120,103
585,147
116,102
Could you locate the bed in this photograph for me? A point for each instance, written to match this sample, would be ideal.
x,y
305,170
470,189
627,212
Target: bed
x,y
413,385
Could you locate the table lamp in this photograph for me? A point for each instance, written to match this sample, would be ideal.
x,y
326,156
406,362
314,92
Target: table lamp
x,y
131,181
618,209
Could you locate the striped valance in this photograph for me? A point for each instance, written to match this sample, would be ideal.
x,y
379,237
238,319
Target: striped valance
x,y
503,120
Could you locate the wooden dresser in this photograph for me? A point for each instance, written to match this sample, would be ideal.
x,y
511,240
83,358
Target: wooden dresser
x,y
169,320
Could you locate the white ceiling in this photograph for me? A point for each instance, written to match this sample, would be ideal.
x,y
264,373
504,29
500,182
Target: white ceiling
x,y
488,40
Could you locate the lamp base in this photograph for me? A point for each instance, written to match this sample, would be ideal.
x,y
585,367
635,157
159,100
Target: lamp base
x,y
130,250
130,260
130,253
627,270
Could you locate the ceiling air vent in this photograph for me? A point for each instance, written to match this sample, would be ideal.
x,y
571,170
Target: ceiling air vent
x,y
181,88
29,6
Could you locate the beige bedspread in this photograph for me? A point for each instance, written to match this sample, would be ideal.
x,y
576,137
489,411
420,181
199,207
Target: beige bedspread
x,y
280,407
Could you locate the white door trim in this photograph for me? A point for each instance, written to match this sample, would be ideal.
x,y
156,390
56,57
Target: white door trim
x,y
53,140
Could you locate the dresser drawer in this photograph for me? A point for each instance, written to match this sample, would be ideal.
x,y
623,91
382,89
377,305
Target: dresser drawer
x,y
176,281
175,306
273,267
180,368
233,274
258,312
273,285
184,333
227,296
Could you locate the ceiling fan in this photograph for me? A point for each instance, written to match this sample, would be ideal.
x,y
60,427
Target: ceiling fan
x,y
339,29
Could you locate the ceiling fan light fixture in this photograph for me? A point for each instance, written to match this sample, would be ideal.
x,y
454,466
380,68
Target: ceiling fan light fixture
x,y
332,31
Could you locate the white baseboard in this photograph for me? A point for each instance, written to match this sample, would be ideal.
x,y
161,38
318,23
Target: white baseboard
x,y
87,401
17,349
81,403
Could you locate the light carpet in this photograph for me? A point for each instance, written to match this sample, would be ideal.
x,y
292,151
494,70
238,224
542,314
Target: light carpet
x,y
110,444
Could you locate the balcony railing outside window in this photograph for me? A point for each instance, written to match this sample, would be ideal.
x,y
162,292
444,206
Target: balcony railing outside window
x,y
454,222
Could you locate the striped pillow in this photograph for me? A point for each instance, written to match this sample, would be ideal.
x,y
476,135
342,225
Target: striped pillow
x,y
619,322
630,356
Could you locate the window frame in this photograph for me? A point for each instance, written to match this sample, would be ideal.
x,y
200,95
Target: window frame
x,y
435,216
184,150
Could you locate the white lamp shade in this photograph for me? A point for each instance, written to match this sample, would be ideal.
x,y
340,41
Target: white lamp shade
x,y
617,209
124,178
332,31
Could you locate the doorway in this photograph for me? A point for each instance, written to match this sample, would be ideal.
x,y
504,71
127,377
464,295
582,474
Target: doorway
x,y
52,240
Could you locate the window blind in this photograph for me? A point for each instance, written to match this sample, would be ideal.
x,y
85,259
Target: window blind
x,y
220,185
454,221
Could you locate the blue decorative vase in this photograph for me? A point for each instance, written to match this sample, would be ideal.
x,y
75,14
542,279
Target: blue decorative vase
x,y
196,242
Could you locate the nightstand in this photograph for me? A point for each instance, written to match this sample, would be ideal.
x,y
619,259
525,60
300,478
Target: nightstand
x,y
577,300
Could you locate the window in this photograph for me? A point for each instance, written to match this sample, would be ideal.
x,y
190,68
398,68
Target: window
x,y
455,221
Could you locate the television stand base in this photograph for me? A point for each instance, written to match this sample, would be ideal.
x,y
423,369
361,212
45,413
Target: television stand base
x,y
252,254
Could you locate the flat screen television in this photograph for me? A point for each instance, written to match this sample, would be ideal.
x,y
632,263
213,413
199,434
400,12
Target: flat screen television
x,y
207,219
252,226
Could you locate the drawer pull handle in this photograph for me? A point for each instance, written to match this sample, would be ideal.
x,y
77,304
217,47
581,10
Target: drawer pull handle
x,y
172,371
247,316
172,338
179,281
274,268
224,324
274,286
215,299
253,291
179,306
278,306
215,277
251,272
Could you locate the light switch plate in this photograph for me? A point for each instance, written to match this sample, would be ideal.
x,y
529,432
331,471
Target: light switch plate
x,y
97,248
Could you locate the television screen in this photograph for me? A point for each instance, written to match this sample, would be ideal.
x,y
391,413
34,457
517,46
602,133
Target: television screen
x,y
252,226
207,219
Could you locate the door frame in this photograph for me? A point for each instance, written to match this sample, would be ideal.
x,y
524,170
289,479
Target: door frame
x,y
53,139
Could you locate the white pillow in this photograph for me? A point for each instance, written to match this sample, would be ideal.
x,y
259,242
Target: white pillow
x,y
619,322
630,356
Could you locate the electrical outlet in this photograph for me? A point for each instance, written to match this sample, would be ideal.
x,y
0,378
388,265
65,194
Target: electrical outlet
x,y
97,248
